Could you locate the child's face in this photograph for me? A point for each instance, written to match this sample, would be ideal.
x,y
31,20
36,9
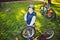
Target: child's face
x,y
30,10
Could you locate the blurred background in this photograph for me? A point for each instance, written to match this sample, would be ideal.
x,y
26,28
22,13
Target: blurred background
x,y
12,18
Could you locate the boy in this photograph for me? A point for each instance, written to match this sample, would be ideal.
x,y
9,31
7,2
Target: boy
x,y
30,17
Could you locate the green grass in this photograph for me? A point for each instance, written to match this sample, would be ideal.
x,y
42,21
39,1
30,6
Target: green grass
x,y
12,22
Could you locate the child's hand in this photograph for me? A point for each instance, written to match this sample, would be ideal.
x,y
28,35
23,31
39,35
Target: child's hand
x,y
29,25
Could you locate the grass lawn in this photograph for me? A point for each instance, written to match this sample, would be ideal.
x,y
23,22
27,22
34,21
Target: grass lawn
x,y
12,21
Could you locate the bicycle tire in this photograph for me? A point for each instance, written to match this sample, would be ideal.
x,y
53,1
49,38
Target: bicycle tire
x,y
50,35
28,27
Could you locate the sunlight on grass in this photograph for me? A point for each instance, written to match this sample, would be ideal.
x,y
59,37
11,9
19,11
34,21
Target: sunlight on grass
x,y
38,25
35,38
18,16
3,16
57,13
23,11
55,3
36,9
37,6
39,15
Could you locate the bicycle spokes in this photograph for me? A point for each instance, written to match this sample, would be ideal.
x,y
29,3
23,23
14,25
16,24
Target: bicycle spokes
x,y
28,32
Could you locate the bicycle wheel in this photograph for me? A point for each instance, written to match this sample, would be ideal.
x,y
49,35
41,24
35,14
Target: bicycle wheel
x,y
28,32
50,33
52,15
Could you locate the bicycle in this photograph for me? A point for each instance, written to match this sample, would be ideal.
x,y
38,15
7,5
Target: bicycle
x,y
47,11
27,34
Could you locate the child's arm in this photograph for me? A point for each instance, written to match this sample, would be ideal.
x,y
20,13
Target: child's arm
x,y
33,20
25,17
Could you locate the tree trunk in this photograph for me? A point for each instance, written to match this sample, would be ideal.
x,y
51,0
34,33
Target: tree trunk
x,y
49,1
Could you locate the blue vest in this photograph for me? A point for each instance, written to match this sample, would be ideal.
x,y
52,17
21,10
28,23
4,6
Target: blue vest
x,y
29,17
